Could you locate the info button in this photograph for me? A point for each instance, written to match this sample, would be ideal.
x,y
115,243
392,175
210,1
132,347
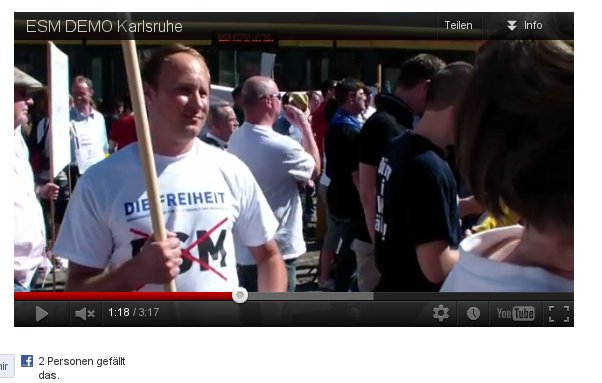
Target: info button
x,y
459,25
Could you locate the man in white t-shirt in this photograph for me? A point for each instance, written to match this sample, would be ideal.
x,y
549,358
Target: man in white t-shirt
x,y
207,197
279,165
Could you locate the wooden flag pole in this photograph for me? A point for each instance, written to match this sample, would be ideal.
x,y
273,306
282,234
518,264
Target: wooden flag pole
x,y
50,163
144,141
379,77
52,241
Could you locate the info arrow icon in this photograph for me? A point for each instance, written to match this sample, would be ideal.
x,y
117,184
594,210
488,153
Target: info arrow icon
x,y
40,313
511,25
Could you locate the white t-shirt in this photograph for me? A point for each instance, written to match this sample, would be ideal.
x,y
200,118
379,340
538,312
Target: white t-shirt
x,y
30,234
474,273
365,115
109,213
278,164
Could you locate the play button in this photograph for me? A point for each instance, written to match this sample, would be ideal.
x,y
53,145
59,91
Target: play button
x,y
40,313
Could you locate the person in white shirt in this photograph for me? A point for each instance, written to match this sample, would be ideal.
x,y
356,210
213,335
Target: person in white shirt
x,y
89,142
222,123
515,146
279,165
207,195
30,235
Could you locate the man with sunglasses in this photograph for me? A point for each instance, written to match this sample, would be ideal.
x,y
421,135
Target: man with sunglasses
x,y
30,236
278,163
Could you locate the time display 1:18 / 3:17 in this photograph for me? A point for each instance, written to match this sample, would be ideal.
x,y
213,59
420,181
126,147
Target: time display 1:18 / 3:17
x,y
139,312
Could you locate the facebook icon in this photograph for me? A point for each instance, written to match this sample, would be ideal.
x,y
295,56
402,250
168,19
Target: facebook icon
x,y
26,360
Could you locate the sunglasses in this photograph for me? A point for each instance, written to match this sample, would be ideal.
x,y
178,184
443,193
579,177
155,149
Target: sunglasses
x,y
24,93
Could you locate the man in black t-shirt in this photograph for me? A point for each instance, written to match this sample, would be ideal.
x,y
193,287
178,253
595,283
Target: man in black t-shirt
x,y
417,220
341,149
394,116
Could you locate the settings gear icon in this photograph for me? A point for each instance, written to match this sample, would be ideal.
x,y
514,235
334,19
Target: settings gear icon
x,y
441,313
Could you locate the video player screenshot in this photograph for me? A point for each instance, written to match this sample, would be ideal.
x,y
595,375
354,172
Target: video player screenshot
x,y
211,170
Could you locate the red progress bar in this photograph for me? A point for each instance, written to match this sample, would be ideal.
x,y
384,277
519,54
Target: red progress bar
x,y
123,296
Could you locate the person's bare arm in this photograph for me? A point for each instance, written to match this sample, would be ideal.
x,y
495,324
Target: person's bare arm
x,y
436,260
271,272
368,195
468,206
157,263
296,117
83,278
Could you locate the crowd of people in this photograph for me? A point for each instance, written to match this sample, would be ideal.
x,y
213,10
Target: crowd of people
x,y
460,179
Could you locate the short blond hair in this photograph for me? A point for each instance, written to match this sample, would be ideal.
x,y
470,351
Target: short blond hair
x,y
151,68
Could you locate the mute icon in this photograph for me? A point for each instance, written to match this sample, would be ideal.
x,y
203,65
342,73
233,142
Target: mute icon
x,y
81,314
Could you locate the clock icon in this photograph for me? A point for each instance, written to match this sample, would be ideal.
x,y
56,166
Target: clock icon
x,y
473,313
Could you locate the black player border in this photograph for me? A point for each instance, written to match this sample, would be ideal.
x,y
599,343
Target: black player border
x,y
439,310
260,28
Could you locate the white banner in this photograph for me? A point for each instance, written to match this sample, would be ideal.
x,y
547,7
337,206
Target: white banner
x,y
267,64
60,142
88,147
